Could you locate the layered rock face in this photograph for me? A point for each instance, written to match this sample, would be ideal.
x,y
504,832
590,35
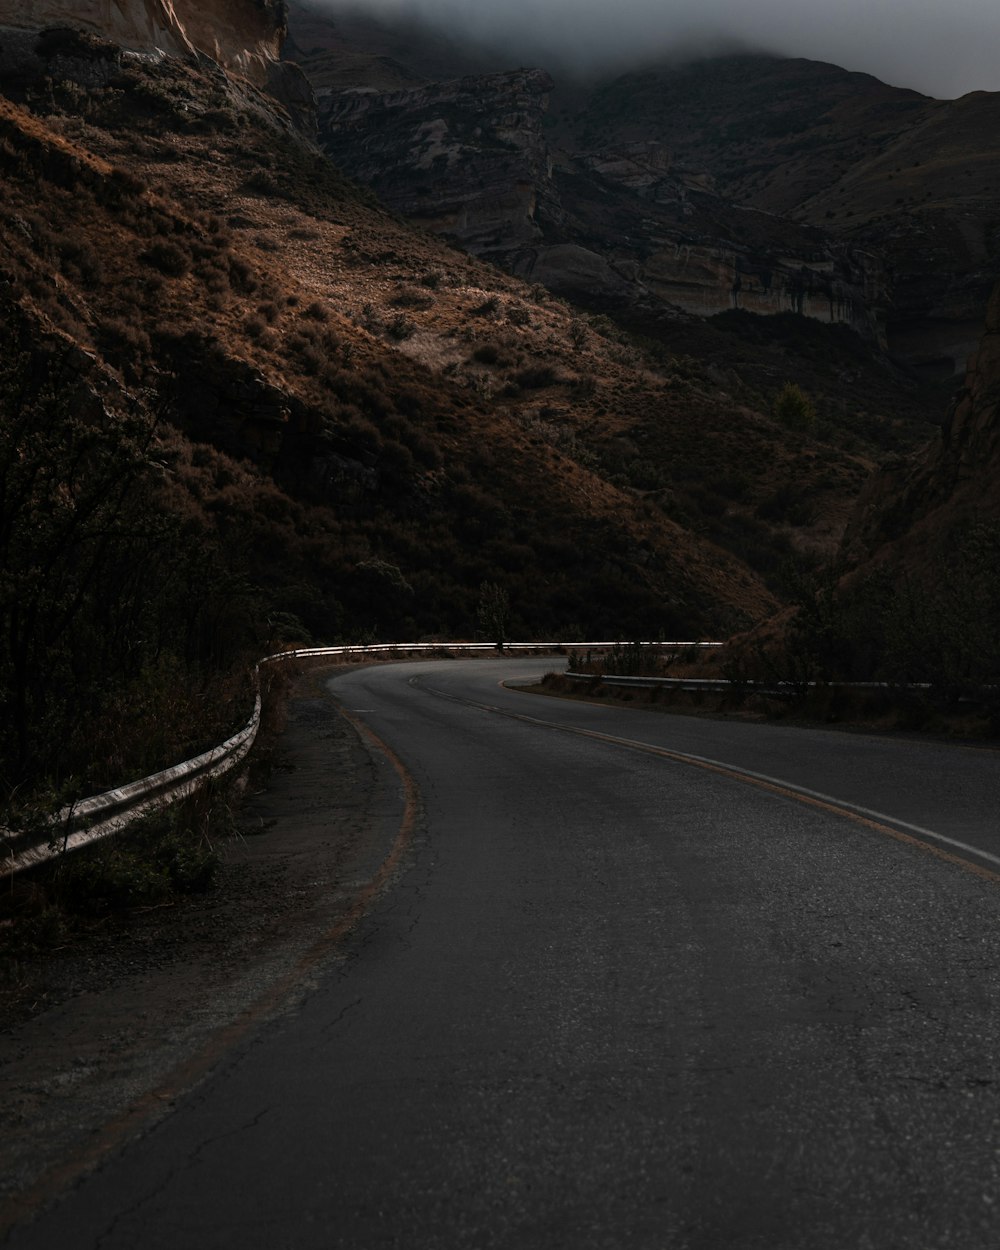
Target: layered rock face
x,y
465,158
616,227
913,180
911,510
673,179
673,243
243,35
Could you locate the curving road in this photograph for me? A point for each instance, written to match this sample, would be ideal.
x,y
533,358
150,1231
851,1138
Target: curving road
x,y
613,998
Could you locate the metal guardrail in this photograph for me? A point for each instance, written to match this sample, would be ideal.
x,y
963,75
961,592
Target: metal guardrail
x,y
652,683
779,689
423,647
92,819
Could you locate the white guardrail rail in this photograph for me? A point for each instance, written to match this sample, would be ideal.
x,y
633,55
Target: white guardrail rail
x,y
91,819
780,689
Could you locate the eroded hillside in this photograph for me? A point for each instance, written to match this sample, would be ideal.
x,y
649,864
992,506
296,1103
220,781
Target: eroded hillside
x,y
420,410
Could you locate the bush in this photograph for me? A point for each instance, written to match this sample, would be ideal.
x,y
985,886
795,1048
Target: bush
x,y
157,858
887,627
487,354
407,297
794,409
633,659
111,663
537,377
400,328
263,183
167,258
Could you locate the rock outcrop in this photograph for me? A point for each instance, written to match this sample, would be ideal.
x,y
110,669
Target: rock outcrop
x,y
913,180
672,243
465,158
618,227
902,192
245,36
912,509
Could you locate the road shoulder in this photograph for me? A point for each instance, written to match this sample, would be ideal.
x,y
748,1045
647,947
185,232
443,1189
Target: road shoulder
x,y
116,1021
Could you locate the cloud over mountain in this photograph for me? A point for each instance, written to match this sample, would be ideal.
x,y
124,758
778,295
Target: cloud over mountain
x,y
941,50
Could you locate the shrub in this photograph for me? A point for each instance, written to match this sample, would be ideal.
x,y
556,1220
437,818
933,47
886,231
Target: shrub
x,y
153,860
486,354
167,258
241,276
493,612
633,659
400,328
536,377
407,297
585,386
263,183
794,409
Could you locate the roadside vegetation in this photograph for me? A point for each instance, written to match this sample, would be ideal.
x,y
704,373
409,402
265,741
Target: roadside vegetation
x,y
883,648
161,860
930,640
125,629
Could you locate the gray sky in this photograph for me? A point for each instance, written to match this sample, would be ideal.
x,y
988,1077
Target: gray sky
x,y
942,49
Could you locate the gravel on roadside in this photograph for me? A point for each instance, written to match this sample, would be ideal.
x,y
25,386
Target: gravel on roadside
x,y
109,1021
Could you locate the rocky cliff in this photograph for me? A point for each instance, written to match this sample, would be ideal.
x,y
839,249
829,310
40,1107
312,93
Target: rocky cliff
x,y
243,35
912,510
618,226
884,170
901,192
466,158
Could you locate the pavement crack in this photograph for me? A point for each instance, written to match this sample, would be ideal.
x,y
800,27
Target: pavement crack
x,y
340,1017
107,1237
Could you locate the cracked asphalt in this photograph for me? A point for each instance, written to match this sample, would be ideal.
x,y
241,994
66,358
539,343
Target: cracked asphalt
x,y
607,998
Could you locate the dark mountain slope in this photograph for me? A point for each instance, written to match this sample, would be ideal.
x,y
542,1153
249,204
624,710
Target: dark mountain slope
x,y
913,511
871,205
422,410
912,181
771,131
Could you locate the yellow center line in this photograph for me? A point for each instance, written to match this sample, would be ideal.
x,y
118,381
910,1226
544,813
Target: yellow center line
x,y
916,837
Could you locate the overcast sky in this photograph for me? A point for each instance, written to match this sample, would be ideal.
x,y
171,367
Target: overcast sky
x,y
942,49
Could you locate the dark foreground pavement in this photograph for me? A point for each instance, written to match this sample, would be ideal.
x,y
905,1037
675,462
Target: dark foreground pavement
x,y
609,999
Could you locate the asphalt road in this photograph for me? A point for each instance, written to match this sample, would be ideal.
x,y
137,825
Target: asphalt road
x,y
609,998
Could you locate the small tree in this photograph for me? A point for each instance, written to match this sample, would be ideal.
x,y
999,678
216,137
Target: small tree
x,y
493,612
794,409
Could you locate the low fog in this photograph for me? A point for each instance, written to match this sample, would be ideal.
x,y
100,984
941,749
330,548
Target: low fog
x,y
942,50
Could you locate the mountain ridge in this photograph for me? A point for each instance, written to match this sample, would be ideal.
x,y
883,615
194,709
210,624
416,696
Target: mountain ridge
x,y
880,172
